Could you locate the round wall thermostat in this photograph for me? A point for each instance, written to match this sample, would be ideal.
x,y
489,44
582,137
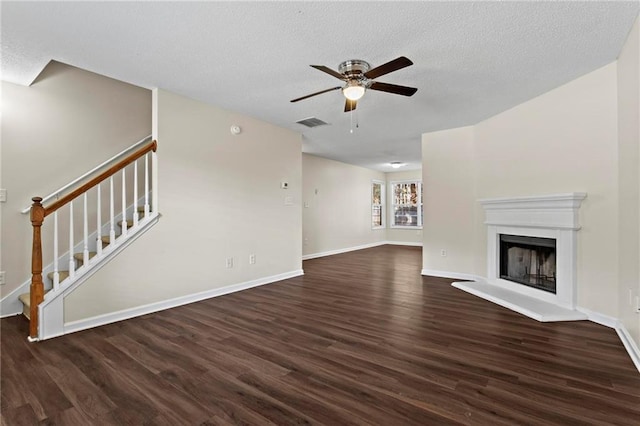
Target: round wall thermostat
x,y
235,130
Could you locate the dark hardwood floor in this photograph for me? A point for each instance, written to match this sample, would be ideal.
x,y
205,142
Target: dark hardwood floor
x,y
362,338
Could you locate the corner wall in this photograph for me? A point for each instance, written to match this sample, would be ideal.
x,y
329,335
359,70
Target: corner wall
x,y
220,198
562,141
629,181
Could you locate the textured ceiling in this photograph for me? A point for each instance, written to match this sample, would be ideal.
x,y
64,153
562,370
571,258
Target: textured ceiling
x,y
471,59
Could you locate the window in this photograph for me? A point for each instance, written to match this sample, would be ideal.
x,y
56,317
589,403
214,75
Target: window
x,y
377,204
406,198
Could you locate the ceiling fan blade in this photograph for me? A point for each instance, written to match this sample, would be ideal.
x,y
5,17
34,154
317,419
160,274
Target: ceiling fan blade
x,y
317,93
393,88
329,71
390,66
350,105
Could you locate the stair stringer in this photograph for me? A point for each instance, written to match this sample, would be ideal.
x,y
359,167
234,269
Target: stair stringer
x,y
51,310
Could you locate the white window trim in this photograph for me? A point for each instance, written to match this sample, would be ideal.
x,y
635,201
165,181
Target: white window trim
x,y
391,214
383,205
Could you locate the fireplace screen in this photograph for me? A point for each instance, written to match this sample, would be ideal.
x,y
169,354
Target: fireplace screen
x,y
529,261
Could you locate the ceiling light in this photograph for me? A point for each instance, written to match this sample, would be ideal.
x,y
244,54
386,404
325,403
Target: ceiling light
x,y
396,164
353,90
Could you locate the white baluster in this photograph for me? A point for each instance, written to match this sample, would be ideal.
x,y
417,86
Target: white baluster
x,y
135,193
56,274
72,264
154,182
85,250
112,231
146,185
124,204
99,224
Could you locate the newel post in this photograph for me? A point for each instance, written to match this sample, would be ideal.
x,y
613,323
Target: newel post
x,y
37,287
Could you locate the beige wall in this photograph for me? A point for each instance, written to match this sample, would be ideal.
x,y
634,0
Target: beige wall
x,y
338,196
64,124
220,197
395,234
629,180
562,141
450,201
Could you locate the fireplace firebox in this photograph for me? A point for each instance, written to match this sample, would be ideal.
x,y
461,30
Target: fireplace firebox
x,y
530,261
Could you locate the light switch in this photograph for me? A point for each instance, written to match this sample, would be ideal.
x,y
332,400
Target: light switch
x,y
288,201
3,195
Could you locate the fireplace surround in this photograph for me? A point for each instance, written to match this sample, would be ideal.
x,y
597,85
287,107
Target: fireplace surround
x,y
550,217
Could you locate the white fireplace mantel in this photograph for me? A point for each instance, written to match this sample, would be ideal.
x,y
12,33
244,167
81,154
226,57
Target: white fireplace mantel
x,y
559,211
548,216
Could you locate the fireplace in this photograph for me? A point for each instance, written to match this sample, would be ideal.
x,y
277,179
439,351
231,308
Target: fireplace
x,y
532,246
529,261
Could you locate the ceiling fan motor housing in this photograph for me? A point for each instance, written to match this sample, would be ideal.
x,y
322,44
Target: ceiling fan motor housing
x,y
354,69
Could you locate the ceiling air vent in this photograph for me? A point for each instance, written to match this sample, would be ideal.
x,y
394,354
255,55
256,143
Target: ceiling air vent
x,y
312,122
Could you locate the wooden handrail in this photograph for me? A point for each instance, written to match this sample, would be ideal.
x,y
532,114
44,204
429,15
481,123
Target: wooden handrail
x,y
101,177
100,166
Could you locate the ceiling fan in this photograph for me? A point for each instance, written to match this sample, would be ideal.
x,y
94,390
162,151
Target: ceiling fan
x,y
358,77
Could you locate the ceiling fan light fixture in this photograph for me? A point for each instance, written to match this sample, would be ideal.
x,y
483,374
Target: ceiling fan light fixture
x,y
353,91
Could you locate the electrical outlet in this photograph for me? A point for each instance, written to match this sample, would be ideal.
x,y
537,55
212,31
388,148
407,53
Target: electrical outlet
x,y
2,278
443,253
252,259
229,262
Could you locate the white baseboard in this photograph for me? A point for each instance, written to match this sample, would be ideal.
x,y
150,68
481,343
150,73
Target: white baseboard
x,y
404,243
84,324
449,274
343,250
599,318
629,344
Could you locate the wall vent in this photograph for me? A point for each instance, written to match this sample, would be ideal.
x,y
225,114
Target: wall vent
x,y
312,122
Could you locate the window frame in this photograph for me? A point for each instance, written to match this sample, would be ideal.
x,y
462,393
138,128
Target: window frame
x,y
392,204
382,206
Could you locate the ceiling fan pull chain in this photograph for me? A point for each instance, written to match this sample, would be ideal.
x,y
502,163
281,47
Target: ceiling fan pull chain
x,y
351,118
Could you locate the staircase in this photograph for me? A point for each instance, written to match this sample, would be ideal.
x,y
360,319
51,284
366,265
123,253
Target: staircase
x,y
43,305
25,298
